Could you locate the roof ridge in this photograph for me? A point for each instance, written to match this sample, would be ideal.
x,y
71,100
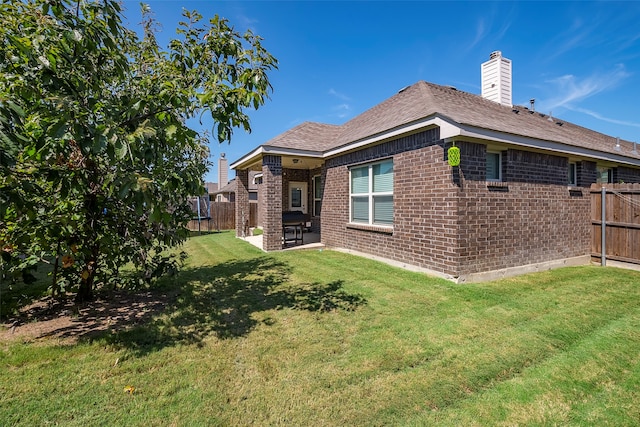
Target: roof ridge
x,y
422,99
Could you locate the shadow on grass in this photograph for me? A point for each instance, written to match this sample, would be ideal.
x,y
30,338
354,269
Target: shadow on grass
x,y
224,299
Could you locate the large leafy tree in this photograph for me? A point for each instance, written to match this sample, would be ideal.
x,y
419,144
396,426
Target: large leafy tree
x,y
96,158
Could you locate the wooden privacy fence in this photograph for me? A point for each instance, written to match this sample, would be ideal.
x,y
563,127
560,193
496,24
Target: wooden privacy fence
x,y
615,222
222,217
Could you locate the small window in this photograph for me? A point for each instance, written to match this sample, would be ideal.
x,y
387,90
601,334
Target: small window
x,y
317,195
372,193
257,179
572,174
605,175
494,166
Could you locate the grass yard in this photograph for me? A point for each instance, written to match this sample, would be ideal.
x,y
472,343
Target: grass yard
x,y
325,338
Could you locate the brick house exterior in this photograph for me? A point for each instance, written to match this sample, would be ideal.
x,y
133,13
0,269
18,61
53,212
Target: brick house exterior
x,y
454,221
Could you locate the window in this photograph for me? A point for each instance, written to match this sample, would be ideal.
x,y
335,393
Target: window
x,y
257,179
372,193
605,175
317,195
572,174
494,166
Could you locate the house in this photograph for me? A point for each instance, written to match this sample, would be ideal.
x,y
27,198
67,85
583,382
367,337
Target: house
x,y
228,192
383,184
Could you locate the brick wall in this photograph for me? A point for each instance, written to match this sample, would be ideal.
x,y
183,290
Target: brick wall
x,y
242,202
452,220
425,198
535,168
534,216
271,203
586,172
623,174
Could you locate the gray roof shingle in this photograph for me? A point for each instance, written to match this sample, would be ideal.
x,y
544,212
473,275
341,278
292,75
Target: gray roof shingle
x,y
423,99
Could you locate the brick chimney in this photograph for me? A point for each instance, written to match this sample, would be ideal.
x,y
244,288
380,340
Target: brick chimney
x,y
223,171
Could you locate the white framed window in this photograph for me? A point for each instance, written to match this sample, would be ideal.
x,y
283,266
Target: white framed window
x,y
605,175
494,166
572,174
371,192
317,195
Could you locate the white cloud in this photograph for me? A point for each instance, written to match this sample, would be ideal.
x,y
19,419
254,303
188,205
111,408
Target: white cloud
x,y
480,33
342,110
601,117
570,89
339,95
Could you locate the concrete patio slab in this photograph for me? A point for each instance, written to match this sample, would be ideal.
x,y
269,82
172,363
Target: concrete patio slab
x,y
309,241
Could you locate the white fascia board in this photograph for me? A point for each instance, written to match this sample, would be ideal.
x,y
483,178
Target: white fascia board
x,y
264,150
247,158
447,129
558,147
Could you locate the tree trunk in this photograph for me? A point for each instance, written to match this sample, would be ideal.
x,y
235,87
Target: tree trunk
x,y
55,287
85,291
91,227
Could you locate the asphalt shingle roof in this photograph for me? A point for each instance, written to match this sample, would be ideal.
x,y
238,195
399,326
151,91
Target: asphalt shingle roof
x,y
423,99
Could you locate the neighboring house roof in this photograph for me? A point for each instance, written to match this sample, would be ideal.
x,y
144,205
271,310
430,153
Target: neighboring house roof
x,y
232,185
229,188
462,113
211,187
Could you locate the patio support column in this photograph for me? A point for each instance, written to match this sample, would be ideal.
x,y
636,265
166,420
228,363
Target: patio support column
x,y
242,203
271,204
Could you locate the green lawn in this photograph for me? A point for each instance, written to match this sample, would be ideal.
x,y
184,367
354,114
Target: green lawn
x,y
324,338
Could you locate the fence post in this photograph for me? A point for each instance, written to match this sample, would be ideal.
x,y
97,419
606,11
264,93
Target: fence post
x,y
603,228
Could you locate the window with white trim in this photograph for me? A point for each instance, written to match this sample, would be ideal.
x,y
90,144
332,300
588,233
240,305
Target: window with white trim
x,y
572,178
317,195
605,175
494,166
371,192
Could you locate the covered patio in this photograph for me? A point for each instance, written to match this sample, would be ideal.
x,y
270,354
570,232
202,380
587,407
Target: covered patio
x,y
290,183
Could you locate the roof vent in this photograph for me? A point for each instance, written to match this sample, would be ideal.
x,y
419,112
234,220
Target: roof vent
x,y
559,123
532,102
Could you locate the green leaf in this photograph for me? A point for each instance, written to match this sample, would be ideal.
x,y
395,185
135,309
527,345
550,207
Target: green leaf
x,y
121,149
171,131
15,107
124,190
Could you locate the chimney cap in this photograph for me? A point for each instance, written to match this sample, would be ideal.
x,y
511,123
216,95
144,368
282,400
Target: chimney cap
x,y
495,54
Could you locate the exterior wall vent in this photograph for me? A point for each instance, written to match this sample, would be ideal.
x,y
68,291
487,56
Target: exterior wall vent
x,y
496,79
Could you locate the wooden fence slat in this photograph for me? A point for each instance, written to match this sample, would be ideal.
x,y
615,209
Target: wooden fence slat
x,y
622,221
223,217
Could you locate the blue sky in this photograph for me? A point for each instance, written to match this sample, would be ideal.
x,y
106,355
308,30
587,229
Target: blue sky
x,y
579,60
